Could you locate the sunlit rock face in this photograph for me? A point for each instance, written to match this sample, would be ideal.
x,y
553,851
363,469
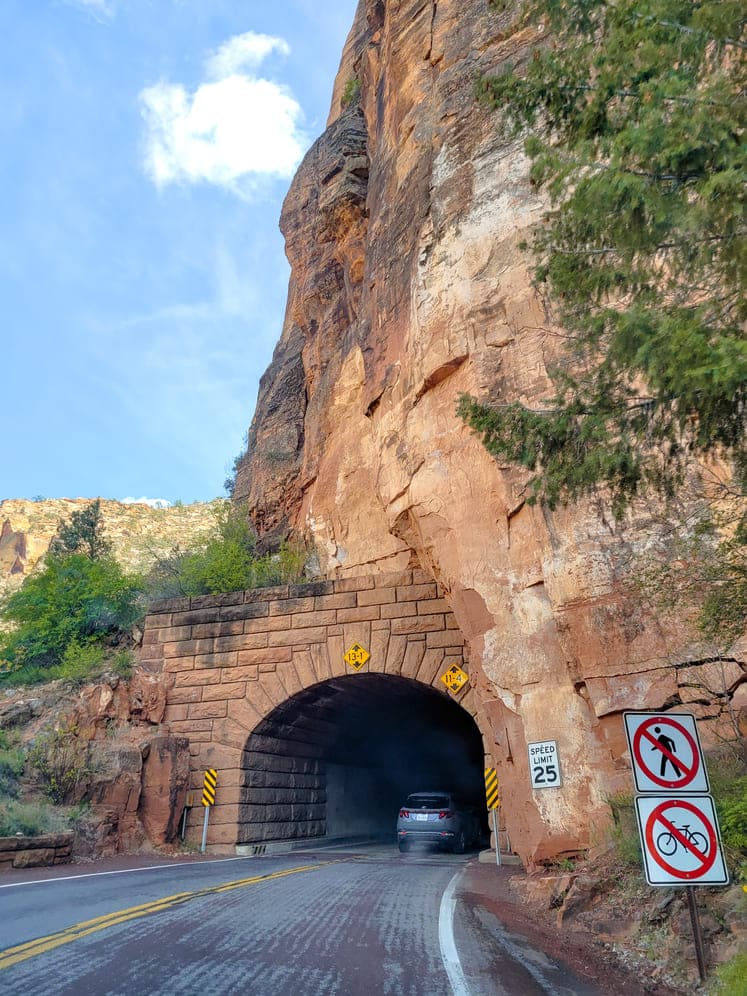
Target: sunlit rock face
x,y
408,288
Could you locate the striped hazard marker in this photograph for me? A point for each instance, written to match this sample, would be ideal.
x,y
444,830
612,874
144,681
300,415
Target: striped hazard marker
x,y
493,799
208,787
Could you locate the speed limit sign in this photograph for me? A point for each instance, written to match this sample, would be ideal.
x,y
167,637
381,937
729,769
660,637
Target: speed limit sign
x,y
544,765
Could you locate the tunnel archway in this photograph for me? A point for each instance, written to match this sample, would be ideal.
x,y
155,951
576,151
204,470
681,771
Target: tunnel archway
x,y
339,758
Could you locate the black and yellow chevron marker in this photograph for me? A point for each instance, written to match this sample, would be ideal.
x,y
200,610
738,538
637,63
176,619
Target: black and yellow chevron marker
x,y
208,787
491,788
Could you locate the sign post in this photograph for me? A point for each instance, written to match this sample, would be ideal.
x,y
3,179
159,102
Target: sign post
x,y
208,799
676,817
493,800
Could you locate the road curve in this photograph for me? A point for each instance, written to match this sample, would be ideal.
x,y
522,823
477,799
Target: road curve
x,y
355,921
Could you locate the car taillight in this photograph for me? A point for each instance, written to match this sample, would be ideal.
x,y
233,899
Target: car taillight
x,y
405,814
445,814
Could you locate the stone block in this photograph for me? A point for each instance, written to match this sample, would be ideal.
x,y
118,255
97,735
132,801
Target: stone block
x,y
421,577
243,712
290,638
227,643
207,710
255,641
289,678
226,690
267,655
416,592
244,672
176,664
432,666
320,657
444,638
289,606
217,629
395,654
377,596
251,610
166,605
211,601
343,600
413,657
393,579
266,594
195,617
304,666
185,693
311,589
174,634
319,617
271,624
353,584
188,727
182,648
226,659
399,610
365,613
197,677
429,606
420,624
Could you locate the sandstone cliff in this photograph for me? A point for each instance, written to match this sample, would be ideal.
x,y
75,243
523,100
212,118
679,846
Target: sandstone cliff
x,y
137,532
402,228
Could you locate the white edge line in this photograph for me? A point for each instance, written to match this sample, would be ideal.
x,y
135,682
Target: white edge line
x,y
449,953
120,871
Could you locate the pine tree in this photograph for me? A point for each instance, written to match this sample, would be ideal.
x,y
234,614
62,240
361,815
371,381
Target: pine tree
x,y
634,117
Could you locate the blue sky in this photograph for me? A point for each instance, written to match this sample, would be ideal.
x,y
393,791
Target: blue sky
x,y
145,150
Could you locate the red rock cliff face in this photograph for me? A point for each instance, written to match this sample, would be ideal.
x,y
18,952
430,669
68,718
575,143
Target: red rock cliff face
x,y
408,287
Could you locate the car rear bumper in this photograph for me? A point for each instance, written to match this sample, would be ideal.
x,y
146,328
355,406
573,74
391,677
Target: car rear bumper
x,y
425,836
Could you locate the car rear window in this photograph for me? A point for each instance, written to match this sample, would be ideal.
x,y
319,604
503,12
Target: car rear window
x,y
428,801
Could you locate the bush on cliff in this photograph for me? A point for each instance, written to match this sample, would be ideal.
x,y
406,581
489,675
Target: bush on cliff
x,y
226,560
74,602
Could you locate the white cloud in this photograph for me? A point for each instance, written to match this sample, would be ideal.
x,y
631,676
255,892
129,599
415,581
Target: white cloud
x,y
153,502
102,10
236,126
246,52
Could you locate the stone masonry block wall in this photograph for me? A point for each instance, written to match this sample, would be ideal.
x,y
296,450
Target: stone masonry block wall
x,y
232,659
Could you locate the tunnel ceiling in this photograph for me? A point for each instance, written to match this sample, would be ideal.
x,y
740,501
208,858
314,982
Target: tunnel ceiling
x,y
375,720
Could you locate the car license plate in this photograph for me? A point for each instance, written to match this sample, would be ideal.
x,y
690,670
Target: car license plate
x,y
421,816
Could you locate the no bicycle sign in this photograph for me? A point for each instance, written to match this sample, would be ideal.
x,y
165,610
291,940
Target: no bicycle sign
x,y
680,841
665,752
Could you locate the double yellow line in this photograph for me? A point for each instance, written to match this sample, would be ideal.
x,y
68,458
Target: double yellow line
x,y
22,952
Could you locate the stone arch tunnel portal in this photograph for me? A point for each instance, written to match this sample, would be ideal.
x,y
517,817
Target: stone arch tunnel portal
x,y
339,758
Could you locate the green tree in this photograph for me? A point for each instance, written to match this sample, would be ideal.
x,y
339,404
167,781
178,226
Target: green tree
x,y
72,601
84,533
634,114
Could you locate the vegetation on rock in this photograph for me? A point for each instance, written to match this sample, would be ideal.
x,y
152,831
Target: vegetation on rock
x,y
633,117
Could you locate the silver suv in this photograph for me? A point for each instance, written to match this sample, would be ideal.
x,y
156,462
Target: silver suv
x,y
437,818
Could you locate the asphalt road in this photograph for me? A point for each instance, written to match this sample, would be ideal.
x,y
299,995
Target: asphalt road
x,y
363,920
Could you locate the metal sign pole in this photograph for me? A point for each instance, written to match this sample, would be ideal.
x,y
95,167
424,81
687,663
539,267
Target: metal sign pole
x,y
697,935
497,840
204,830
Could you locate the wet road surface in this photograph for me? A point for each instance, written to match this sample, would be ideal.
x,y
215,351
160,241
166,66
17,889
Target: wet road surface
x,y
357,920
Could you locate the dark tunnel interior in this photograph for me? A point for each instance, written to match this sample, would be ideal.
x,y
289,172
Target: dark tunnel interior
x,y
341,757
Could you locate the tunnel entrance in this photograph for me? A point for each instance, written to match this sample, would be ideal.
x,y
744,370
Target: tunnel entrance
x,y
339,758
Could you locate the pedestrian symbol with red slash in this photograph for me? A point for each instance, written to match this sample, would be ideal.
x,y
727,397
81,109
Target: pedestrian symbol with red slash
x,y
665,752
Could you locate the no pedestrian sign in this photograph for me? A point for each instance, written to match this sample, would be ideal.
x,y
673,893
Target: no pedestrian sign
x,y
665,752
680,841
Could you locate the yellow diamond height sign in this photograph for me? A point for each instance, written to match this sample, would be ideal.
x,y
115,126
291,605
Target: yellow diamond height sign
x,y
454,678
357,656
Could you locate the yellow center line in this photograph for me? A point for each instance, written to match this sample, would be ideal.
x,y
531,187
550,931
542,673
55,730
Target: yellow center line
x,y
22,952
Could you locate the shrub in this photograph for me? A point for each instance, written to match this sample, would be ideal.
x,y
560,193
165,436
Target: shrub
x,y
624,833
60,759
728,777
122,663
29,819
731,976
12,759
351,91
73,600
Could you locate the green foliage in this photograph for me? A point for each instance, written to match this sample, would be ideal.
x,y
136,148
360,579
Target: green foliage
x,y
226,561
12,759
351,91
84,533
122,663
728,778
624,833
29,819
731,977
80,663
74,600
60,759
634,115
